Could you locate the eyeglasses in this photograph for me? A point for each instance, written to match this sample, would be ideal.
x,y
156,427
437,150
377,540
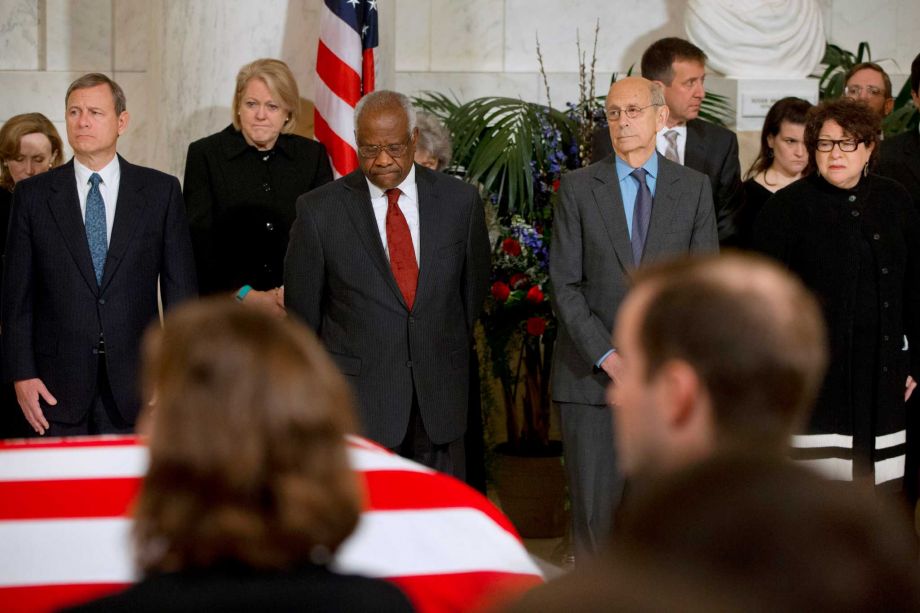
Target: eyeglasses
x,y
847,146
631,111
855,91
372,151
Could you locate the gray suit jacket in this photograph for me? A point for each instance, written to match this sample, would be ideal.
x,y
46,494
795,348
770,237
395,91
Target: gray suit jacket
x,y
337,278
713,151
591,261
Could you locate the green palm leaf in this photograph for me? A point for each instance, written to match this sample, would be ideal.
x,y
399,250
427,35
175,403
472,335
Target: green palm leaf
x,y
495,139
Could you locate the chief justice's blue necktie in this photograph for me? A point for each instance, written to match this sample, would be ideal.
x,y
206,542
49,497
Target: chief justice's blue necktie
x,y
95,226
642,213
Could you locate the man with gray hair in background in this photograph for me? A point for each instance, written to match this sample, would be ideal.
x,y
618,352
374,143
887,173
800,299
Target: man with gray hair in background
x,y
390,265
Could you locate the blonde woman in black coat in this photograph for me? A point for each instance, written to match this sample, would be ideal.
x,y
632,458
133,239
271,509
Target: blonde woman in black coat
x,y
241,184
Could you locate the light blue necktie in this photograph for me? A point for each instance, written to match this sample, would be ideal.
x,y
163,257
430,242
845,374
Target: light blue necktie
x,y
95,226
642,214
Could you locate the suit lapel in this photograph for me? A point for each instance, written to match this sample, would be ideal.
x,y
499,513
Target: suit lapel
x,y
65,208
610,207
695,151
429,202
912,152
361,213
128,214
663,206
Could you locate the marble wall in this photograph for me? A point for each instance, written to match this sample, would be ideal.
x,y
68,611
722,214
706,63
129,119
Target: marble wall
x,y
177,59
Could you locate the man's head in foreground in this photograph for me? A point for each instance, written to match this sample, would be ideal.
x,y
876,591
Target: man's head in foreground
x,y
716,352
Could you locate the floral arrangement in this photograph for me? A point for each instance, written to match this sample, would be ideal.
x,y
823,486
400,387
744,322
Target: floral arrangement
x,y
519,330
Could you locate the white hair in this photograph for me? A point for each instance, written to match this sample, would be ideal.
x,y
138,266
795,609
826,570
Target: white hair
x,y
384,98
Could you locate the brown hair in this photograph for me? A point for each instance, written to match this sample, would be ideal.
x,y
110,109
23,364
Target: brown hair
x,y
856,119
247,453
279,80
752,333
11,134
871,66
790,109
657,61
92,80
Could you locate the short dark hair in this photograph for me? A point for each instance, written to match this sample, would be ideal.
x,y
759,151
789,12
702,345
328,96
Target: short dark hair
x,y
915,75
790,109
856,119
96,78
658,59
870,66
752,332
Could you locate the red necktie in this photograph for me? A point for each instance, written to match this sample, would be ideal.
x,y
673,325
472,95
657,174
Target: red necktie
x,y
402,253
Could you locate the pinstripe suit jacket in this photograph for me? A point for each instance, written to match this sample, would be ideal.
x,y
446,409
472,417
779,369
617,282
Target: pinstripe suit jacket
x,y
54,310
591,260
337,278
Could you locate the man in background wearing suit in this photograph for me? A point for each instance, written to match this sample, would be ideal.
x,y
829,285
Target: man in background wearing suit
x,y
899,159
630,208
900,155
88,243
680,68
390,265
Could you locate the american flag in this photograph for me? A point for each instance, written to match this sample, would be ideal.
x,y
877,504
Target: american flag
x,y
345,70
65,526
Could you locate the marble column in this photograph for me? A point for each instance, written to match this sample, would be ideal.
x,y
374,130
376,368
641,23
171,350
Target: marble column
x,y
196,49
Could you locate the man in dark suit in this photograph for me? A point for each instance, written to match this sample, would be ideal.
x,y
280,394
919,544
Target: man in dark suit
x,y
680,67
398,325
900,155
88,243
626,210
899,159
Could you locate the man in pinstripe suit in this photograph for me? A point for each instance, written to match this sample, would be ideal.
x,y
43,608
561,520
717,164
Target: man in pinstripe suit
x,y
389,265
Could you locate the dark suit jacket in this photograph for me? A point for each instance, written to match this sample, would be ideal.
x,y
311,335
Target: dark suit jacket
x,y
241,207
338,279
53,310
900,160
225,589
591,261
711,150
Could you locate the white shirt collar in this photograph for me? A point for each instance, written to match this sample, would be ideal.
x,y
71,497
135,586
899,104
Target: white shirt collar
x,y
407,187
681,131
110,173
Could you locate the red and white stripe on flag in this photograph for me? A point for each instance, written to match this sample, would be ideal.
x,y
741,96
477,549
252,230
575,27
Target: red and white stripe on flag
x,y
345,71
65,528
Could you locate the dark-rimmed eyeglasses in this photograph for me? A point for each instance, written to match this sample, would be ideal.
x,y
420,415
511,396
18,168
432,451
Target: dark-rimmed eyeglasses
x,y
372,151
630,111
855,91
847,145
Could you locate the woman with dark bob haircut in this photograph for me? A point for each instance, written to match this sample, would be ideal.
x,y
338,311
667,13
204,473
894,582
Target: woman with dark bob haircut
x,y
249,491
781,160
854,239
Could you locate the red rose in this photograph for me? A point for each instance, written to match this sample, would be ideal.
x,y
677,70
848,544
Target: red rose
x,y
534,295
511,247
536,326
500,291
556,185
518,279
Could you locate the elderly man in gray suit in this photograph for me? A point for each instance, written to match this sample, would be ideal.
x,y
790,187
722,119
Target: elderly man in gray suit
x,y
390,265
631,208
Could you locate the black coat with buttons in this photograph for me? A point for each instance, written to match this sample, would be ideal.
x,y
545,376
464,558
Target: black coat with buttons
x,y
240,204
825,234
